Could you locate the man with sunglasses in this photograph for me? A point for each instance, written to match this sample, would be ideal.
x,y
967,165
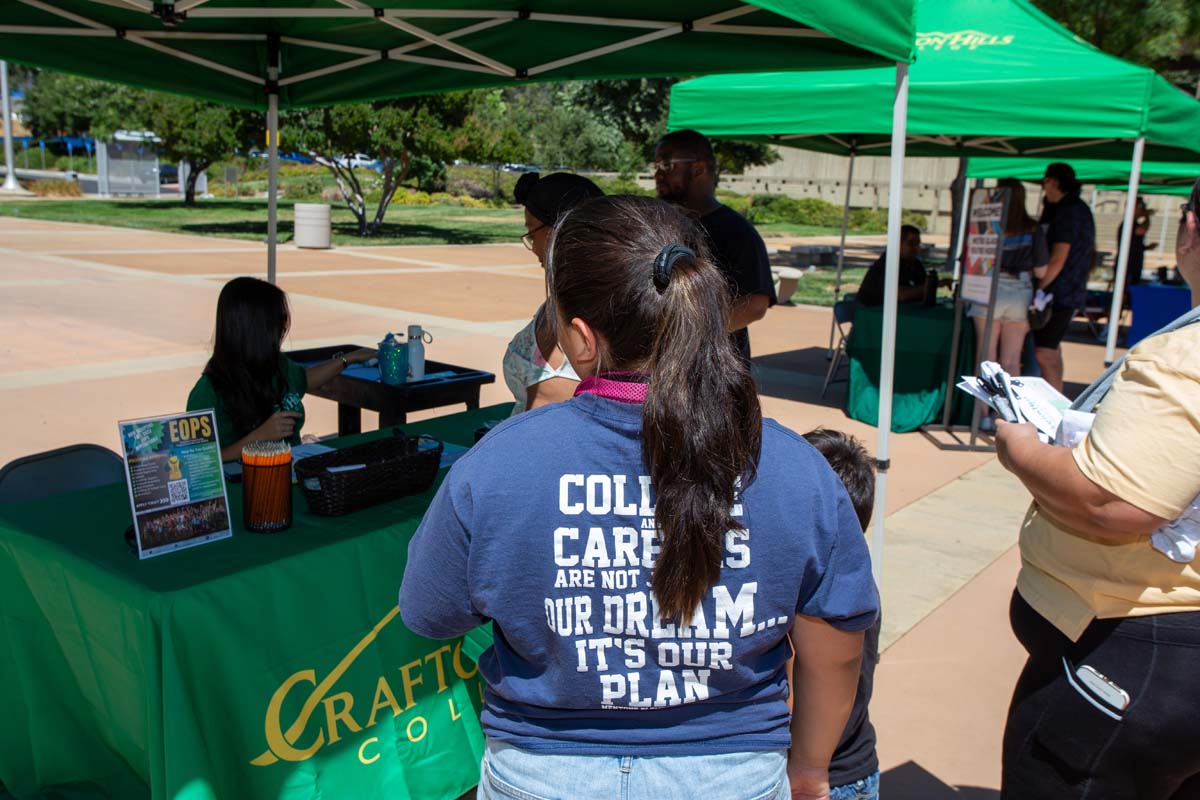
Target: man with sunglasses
x,y
685,172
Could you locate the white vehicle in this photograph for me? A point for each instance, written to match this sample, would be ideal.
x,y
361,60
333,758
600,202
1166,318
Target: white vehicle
x,y
359,160
354,161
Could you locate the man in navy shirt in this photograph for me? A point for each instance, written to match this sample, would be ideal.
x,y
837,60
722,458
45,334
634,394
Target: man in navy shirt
x,y
685,172
912,272
1071,234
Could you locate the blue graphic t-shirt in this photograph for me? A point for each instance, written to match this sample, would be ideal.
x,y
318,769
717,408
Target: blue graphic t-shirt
x,y
547,528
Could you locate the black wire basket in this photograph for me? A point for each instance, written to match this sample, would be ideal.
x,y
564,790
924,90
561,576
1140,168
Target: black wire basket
x,y
380,470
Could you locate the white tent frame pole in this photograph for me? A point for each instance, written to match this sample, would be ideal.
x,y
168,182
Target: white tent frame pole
x,y
962,224
272,171
1165,202
10,165
837,281
1114,314
891,288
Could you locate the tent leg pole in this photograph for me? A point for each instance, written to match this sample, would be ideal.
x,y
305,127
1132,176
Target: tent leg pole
x,y
1114,314
891,286
272,182
837,281
10,174
1165,203
273,43
962,223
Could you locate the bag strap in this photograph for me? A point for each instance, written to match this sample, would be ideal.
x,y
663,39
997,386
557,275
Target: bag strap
x,y
1092,395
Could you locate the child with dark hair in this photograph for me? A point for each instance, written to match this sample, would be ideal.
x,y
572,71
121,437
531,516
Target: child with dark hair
x,y
854,770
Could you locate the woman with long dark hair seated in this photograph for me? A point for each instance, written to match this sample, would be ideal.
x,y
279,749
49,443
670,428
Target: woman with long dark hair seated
x,y
646,548
254,390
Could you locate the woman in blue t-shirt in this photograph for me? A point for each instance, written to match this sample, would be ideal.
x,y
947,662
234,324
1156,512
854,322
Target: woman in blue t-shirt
x,y
660,473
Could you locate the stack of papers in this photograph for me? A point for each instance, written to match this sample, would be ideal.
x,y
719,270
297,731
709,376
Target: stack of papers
x,y
1018,399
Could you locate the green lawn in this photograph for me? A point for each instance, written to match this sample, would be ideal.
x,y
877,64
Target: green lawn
x,y
816,288
247,219
769,229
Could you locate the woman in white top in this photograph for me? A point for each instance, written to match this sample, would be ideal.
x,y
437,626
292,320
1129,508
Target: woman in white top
x,y
535,369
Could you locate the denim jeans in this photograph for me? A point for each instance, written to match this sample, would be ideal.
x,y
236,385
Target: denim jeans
x,y
866,789
510,773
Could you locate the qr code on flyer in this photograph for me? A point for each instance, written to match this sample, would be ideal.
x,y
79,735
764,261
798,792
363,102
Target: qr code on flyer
x,y
178,492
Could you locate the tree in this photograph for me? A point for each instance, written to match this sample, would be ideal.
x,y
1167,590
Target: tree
x,y
489,135
196,131
58,104
1161,34
639,107
191,130
393,131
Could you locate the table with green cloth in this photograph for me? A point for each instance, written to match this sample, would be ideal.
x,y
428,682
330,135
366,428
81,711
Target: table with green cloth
x,y
923,341
267,666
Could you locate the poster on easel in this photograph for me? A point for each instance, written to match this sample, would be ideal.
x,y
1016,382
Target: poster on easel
x,y
985,240
176,486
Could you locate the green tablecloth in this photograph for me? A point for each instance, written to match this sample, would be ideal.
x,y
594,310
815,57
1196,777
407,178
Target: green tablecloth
x,y
260,666
922,357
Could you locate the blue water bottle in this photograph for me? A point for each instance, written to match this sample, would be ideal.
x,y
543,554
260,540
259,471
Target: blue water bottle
x,y
393,360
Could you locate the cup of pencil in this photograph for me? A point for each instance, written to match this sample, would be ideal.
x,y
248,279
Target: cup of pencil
x,y
267,486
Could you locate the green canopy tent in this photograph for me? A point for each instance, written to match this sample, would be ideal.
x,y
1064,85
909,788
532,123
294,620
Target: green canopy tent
x,y
993,77
1090,170
275,53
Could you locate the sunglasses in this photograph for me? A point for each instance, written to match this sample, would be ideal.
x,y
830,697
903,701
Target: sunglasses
x,y
668,164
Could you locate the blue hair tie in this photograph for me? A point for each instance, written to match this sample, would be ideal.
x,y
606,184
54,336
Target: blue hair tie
x,y
665,262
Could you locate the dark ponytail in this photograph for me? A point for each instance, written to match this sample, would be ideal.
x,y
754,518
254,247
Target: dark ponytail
x,y
701,421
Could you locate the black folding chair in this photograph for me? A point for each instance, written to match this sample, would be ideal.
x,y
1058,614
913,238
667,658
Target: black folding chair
x,y
843,315
67,469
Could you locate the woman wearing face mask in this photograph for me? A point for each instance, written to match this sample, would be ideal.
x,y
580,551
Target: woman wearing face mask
x,y
662,545
535,369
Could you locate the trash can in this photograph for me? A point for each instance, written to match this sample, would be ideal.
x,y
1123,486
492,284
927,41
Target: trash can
x,y
312,225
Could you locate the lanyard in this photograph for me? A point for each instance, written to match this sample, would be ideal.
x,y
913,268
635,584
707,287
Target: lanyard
x,y
624,387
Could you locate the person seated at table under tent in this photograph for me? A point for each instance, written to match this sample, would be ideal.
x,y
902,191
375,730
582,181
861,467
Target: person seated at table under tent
x,y
535,369
253,389
912,272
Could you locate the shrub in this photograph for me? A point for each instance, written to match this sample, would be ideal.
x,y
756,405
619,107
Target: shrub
x,y
876,219
54,188
620,186
769,208
469,188
411,197
304,187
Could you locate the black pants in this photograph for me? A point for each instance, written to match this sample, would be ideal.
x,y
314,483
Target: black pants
x,y
1060,746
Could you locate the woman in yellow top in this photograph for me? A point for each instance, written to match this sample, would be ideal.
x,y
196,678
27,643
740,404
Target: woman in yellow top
x,y
1108,598
254,390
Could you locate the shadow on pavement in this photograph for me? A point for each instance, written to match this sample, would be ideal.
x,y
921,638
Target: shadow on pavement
x,y
911,781
798,375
